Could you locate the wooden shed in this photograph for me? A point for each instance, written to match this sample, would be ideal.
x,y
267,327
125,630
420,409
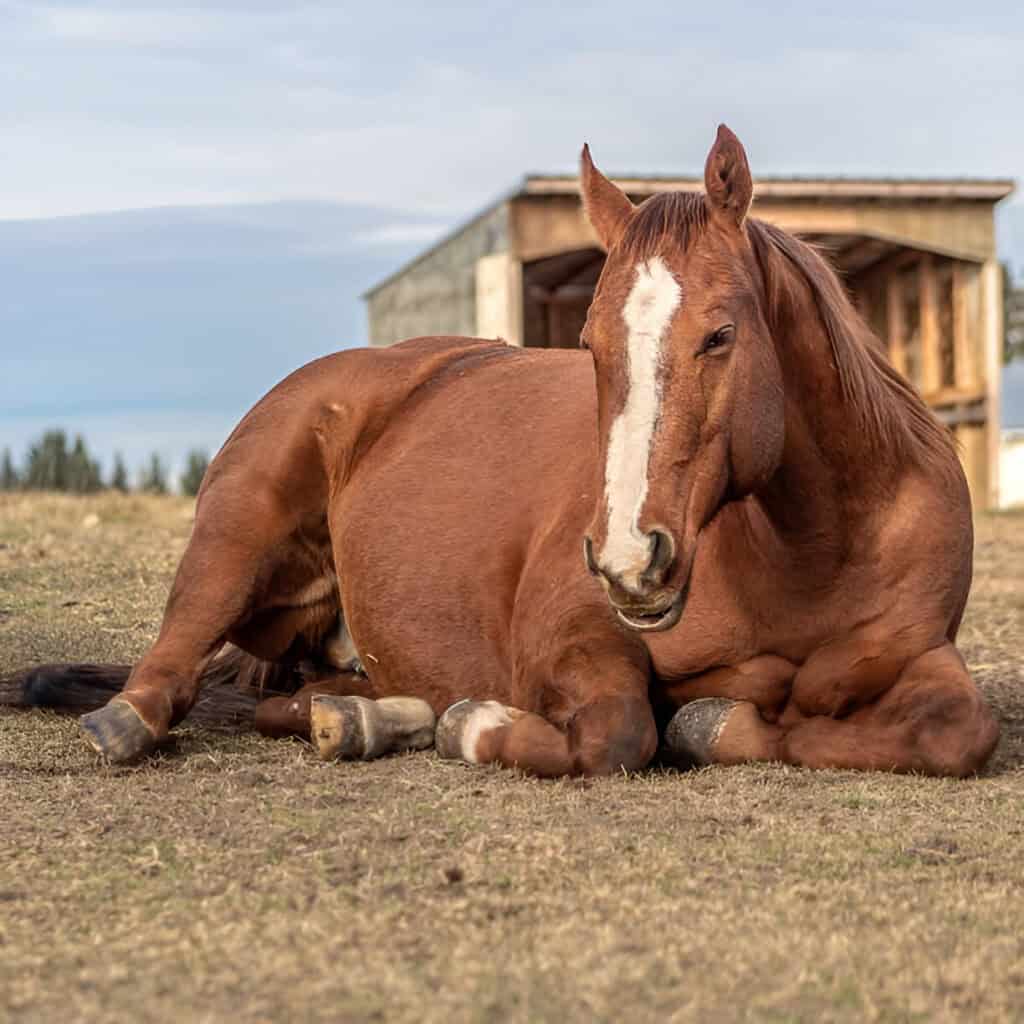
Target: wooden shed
x,y
918,256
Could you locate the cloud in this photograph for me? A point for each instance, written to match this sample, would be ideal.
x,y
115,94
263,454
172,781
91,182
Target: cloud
x,y
438,109
131,28
402,234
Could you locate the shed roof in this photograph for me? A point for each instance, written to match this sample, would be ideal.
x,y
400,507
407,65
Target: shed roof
x,y
793,187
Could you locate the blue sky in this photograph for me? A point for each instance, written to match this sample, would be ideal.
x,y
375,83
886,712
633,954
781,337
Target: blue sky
x,y
434,106
284,156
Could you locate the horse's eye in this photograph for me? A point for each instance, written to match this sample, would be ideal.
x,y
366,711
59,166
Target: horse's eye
x,y
717,339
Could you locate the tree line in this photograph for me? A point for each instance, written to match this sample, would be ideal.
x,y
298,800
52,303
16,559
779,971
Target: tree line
x,y
52,464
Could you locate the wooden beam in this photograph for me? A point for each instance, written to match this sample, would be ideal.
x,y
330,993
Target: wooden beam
x,y
965,309
954,396
858,257
959,415
896,328
931,354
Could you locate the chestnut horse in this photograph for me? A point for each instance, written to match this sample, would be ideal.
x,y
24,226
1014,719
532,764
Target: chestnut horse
x,y
729,514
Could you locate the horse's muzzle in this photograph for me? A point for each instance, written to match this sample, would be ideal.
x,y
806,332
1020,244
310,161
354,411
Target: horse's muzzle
x,y
653,618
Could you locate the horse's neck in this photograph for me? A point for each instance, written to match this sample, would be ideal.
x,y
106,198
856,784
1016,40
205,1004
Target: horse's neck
x,y
830,478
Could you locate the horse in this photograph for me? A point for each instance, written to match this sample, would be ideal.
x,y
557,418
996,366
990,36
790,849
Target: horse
x,y
725,525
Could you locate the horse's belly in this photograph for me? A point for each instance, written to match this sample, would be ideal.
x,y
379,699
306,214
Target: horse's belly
x,y
433,534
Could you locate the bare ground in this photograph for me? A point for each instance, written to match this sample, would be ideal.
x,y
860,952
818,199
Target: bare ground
x,y
236,878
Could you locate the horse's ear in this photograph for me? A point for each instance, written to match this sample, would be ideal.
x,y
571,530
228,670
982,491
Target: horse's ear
x,y
727,178
607,207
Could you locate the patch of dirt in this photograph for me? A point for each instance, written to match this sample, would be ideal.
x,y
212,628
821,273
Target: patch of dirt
x,y
237,878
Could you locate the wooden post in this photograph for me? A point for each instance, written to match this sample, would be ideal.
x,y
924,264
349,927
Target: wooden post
x,y
992,318
931,355
894,314
973,442
965,322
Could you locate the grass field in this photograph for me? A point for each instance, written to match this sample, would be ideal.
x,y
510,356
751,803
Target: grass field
x,y
240,879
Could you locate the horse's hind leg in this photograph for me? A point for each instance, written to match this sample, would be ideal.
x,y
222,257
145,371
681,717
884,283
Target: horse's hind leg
x,y
290,715
932,720
354,728
226,579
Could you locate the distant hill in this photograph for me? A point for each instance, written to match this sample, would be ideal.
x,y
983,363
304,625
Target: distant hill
x,y
185,306
156,329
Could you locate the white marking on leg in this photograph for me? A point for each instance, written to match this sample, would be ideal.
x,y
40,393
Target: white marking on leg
x,y
489,715
649,308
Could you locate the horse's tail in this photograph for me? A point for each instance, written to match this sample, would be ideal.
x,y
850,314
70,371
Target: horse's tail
x,y
231,687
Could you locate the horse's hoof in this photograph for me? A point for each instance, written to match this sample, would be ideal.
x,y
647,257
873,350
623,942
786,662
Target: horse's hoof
x,y
450,728
461,727
691,735
336,727
355,728
117,732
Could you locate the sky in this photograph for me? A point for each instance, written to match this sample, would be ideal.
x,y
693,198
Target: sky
x,y
229,176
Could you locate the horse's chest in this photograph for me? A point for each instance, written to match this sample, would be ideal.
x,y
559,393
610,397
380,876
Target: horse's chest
x,y
733,616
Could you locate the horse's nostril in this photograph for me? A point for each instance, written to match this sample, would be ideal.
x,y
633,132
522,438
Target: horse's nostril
x,y
663,551
588,555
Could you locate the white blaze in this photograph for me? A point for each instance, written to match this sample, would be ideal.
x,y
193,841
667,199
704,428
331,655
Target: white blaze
x,y
650,306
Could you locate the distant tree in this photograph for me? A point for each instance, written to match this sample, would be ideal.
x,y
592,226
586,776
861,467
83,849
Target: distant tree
x,y
1013,318
46,468
153,478
195,469
83,471
119,475
9,479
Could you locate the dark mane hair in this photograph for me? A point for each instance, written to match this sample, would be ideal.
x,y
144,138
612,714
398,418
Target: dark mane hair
x,y
889,410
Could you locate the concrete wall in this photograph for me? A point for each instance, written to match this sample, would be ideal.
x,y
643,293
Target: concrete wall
x,y
436,294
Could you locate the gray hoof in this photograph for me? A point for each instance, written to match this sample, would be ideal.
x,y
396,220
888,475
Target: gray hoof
x,y
691,735
117,732
450,727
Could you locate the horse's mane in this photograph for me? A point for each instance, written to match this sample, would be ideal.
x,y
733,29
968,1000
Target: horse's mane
x,y
892,415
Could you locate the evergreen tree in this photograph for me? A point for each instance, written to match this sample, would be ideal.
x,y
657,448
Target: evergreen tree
x,y
153,478
9,479
195,469
46,467
83,472
119,476
1013,318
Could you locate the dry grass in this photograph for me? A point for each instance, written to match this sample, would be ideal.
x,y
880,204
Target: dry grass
x,y
241,879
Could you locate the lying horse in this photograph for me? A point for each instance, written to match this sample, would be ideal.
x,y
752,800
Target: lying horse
x,y
728,516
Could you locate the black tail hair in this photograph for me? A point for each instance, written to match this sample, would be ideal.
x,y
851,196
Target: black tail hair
x,y
232,686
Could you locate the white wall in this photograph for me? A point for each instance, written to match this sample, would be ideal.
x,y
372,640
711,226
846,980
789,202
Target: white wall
x,y
1011,469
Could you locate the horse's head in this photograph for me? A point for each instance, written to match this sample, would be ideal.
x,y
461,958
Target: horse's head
x,y
690,401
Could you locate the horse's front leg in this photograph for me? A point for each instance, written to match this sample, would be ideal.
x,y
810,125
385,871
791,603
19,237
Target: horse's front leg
x,y
603,724
605,735
929,719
